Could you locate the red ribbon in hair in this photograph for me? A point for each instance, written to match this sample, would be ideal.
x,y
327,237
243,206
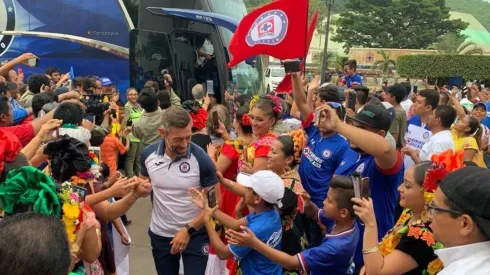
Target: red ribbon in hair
x,y
199,119
246,120
10,147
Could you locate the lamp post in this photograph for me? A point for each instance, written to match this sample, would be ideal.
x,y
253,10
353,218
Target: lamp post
x,y
329,4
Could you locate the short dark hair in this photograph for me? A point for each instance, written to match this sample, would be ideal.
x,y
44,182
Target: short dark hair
x,y
164,99
242,99
343,190
39,100
51,70
4,105
36,81
175,117
447,114
444,98
33,243
329,93
431,97
3,89
352,64
77,82
105,171
148,100
19,162
152,84
69,113
362,94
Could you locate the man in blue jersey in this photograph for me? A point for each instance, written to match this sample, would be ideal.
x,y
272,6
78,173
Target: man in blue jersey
x,y
351,76
418,132
324,152
378,160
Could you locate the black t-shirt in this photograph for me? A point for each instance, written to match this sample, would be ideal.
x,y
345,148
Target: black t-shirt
x,y
201,140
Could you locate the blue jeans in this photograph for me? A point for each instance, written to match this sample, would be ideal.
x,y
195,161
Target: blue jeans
x,y
195,255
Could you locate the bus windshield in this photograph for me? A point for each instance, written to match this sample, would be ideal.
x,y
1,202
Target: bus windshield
x,y
249,78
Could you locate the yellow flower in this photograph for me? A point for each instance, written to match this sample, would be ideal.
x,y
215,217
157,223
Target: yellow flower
x,y
71,211
428,196
70,228
434,267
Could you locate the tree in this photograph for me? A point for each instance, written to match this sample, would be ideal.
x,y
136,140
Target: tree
x,y
385,64
334,60
414,24
452,43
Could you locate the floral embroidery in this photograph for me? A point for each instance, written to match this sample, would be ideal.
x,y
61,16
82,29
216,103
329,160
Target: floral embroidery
x,y
417,231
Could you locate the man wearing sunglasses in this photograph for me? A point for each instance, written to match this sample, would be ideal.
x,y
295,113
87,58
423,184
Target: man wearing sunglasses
x,y
376,159
460,213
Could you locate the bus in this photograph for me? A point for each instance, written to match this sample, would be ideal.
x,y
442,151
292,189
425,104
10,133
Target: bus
x,y
130,41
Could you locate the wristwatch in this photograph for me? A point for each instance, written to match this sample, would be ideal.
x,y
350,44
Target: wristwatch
x,y
190,229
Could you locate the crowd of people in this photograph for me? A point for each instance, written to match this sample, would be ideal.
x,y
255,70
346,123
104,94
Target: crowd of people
x,y
328,179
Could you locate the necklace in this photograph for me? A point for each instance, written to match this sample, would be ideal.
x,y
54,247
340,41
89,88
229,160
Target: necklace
x,y
287,173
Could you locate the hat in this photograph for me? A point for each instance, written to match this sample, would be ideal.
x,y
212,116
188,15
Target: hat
x,y
397,90
469,190
373,116
105,81
390,109
482,104
267,184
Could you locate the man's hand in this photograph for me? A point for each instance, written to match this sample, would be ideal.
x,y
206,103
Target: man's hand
x,y
47,130
64,77
68,95
112,179
180,241
228,96
143,189
329,119
207,100
409,151
24,58
87,125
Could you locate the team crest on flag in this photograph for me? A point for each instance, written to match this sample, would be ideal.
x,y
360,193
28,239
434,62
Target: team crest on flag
x,y
269,28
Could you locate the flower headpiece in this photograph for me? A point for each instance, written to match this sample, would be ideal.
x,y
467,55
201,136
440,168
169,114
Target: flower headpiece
x,y
277,108
199,119
246,120
253,102
442,164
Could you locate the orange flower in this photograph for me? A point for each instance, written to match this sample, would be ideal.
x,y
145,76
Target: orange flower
x,y
389,243
428,238
414,231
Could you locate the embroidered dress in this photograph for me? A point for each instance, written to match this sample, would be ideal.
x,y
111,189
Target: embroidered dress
x,y
415,240
258,149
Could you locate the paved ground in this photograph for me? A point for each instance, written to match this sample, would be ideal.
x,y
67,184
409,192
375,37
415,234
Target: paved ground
x,y
140,259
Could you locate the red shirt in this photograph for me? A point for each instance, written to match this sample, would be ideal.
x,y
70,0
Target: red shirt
x,y
25,132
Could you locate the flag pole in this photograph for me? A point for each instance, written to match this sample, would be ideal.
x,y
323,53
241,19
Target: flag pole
x,y
325,48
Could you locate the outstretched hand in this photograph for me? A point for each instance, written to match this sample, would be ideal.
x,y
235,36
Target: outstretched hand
x,y
244,238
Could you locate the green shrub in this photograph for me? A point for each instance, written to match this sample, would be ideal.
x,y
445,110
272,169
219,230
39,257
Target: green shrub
x,y
439,66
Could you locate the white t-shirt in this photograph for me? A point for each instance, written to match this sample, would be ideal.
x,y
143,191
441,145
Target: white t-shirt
x,y
437,143
406,104
206,48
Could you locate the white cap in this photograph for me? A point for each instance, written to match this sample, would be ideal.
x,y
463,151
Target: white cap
x,y
267,184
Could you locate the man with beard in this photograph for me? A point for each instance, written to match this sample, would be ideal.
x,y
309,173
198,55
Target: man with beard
x,y
378,161
174,165
323,155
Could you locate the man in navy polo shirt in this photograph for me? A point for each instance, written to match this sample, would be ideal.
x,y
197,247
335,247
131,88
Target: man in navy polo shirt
x,y
418,132
378,161
324,153
173,166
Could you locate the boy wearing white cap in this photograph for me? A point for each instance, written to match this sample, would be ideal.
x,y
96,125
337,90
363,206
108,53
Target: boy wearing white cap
x,y
262,191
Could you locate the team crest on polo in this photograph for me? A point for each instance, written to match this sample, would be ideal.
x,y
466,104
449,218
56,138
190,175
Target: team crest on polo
x,y
7,23
205,249
184,167
269,28
425,135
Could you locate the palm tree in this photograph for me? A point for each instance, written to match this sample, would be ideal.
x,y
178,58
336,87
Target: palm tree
x,y
385,64
452,43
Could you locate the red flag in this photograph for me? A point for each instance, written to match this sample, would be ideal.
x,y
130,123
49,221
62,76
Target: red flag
x,y
286,84
276,29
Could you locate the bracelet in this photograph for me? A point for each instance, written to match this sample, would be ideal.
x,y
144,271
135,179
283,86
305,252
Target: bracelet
x,y
370,250
134,194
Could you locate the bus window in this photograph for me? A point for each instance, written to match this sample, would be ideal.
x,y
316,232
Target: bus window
x,y
149,55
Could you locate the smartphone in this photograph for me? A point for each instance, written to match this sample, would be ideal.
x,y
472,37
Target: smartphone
x,y
129,123
20,71
292,66
33,62
318,117
211,198
209,87
215,120
245,154
352,101
81,192
229,88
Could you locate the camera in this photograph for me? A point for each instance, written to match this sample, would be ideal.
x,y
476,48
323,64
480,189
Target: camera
x,y
95,107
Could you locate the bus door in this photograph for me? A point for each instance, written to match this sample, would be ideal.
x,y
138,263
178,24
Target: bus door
x,y
149,54
190,66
